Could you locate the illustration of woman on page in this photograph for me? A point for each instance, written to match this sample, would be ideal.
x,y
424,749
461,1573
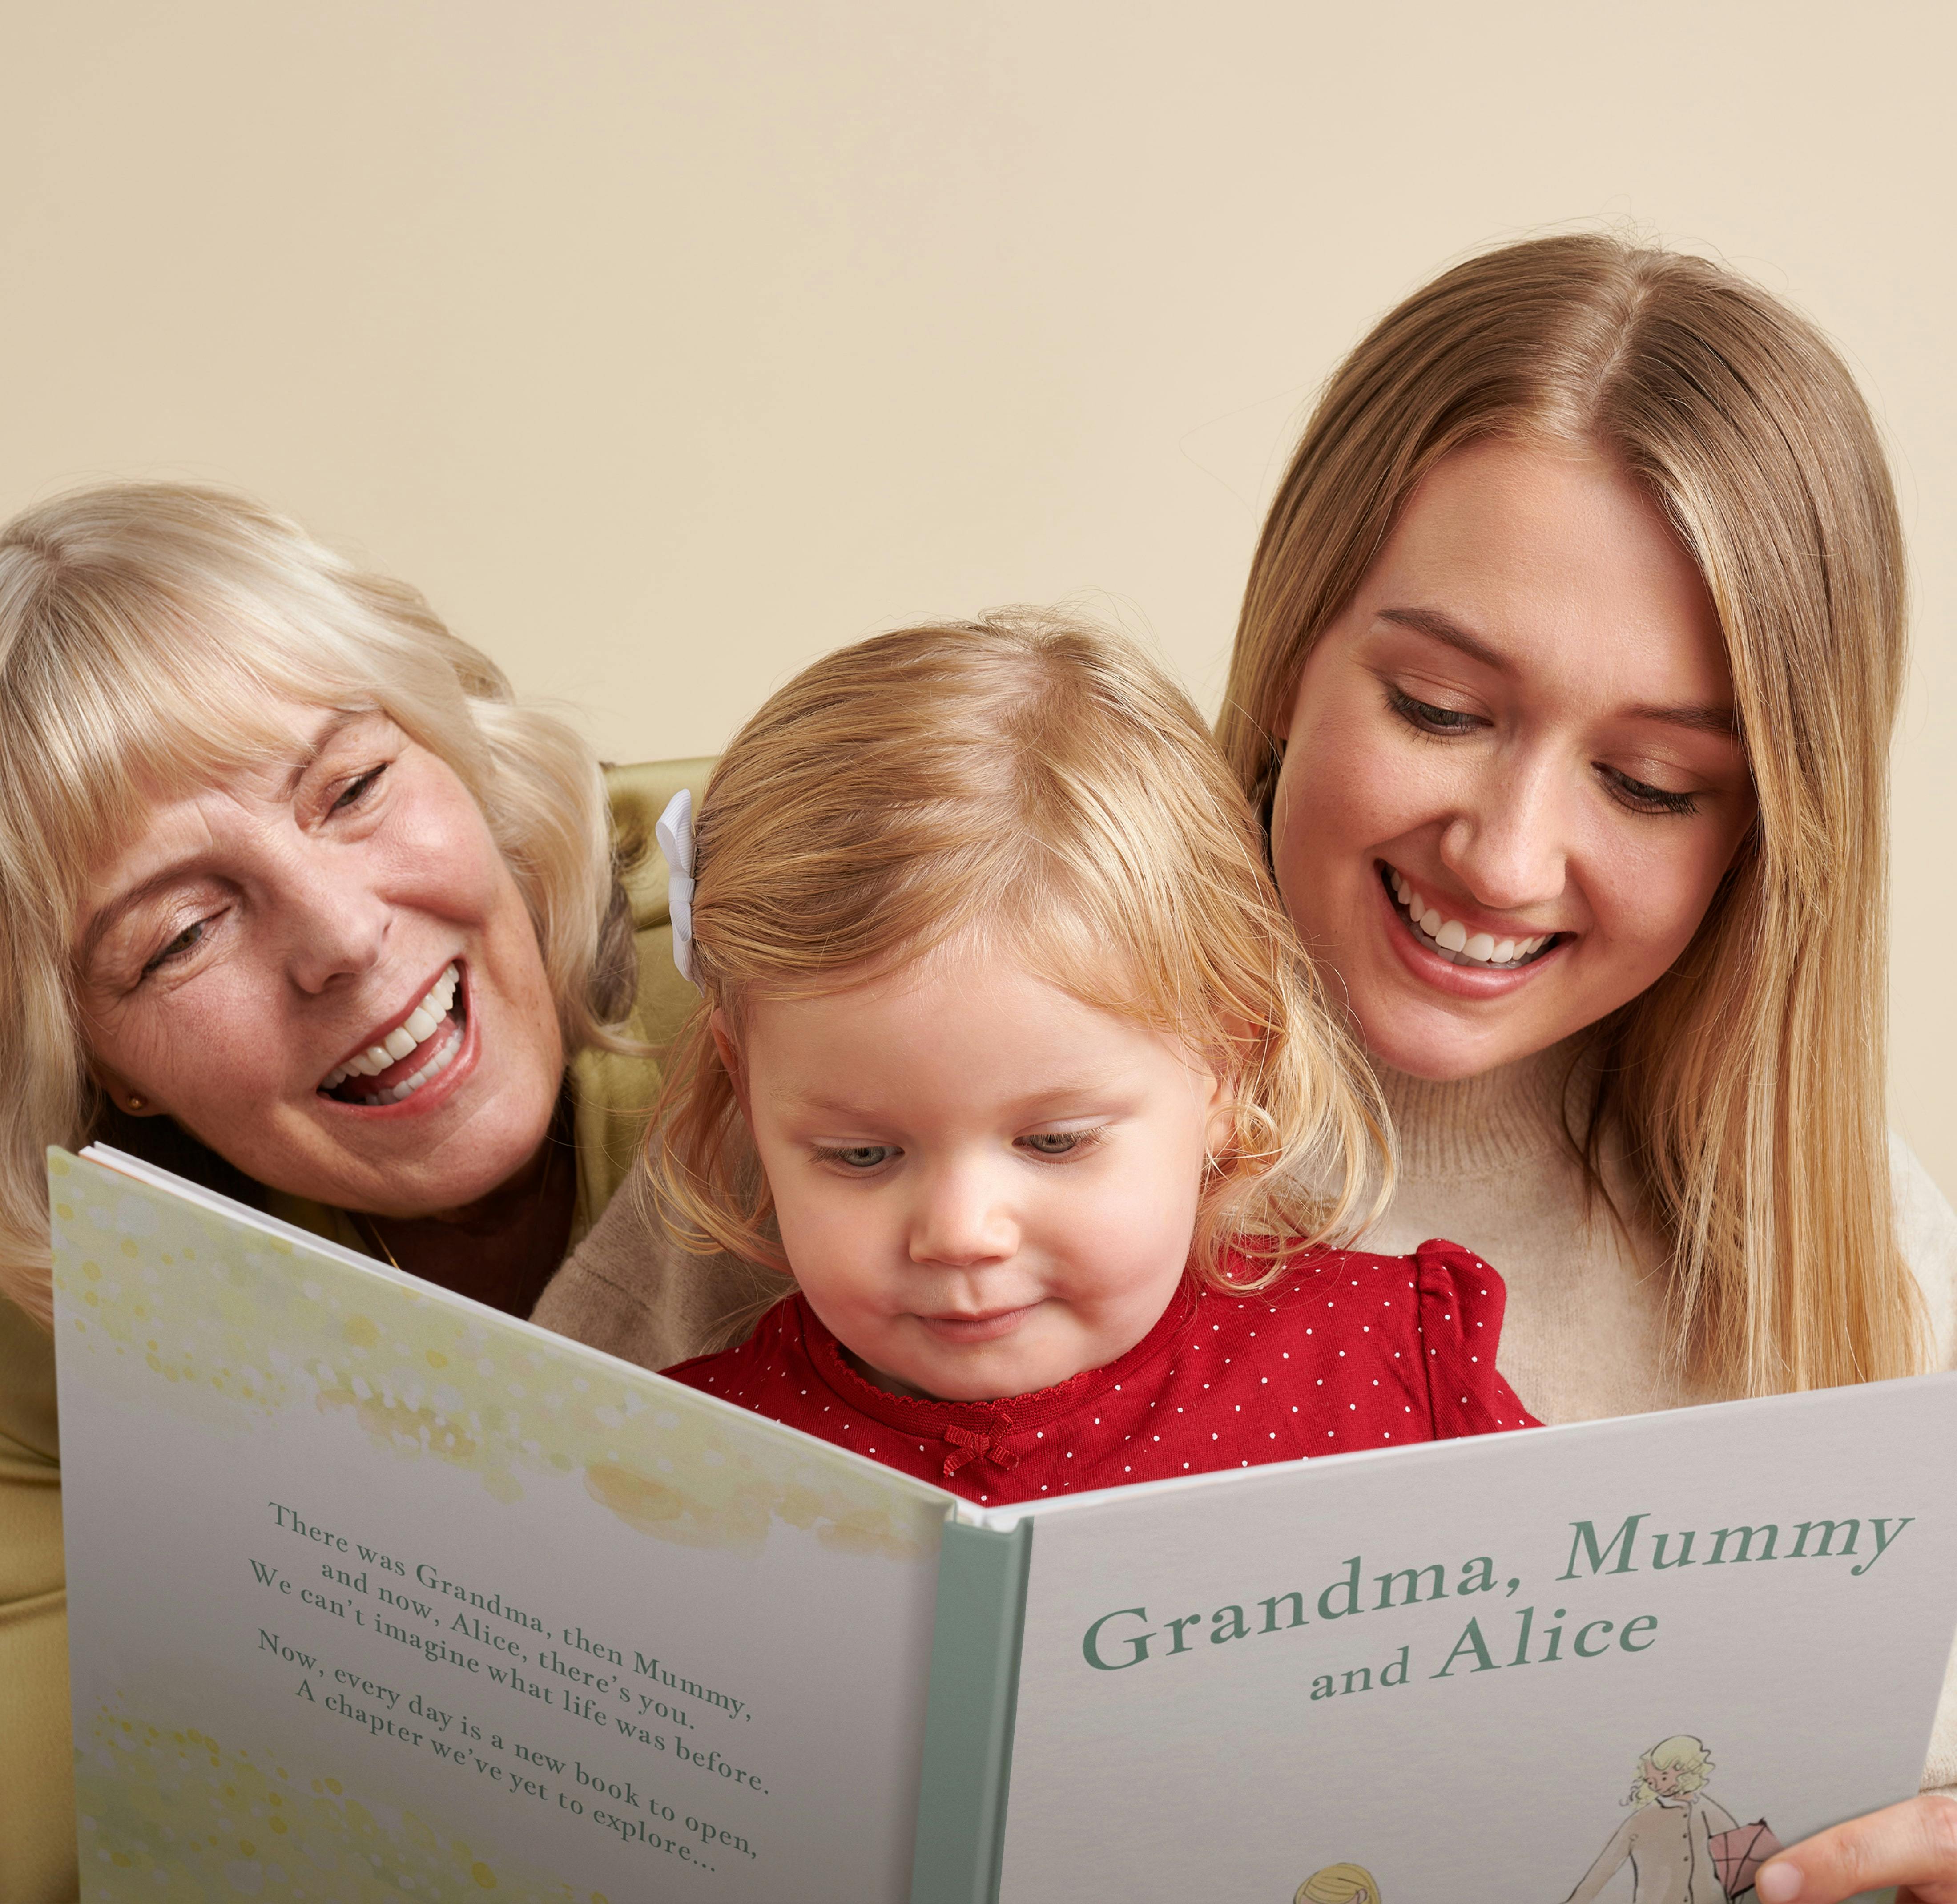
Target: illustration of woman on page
x,y
1684,1847
1340,1884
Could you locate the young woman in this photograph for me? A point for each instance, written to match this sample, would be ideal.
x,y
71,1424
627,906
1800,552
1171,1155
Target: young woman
x,y
1565,678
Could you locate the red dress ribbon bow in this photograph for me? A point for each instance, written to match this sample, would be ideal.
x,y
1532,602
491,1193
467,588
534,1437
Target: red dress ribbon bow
x,y
969,1444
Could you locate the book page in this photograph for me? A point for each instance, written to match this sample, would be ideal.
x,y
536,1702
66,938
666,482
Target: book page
x,y
376,1593
1442,1668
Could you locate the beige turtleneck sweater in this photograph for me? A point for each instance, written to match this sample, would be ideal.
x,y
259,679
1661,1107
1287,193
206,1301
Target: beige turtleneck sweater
x,y
1483,1162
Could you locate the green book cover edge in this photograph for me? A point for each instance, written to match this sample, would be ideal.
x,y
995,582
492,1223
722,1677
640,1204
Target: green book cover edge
x,y
967,1736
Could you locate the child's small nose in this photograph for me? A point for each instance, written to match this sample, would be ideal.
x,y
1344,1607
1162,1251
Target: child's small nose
x,y
960,1223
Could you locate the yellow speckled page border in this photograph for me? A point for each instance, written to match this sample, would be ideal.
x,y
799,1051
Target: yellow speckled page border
x,y
196,1308
180,1817
234,1320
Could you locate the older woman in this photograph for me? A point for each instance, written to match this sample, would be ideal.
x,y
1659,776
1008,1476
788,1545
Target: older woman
x,y
294,901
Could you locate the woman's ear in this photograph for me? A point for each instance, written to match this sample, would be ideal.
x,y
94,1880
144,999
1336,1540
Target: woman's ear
x,y
122,1092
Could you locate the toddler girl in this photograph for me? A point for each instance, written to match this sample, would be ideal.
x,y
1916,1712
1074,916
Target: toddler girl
x,y
1053,1129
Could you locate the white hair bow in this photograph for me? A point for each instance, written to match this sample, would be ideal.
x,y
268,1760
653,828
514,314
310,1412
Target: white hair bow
x,y
676,837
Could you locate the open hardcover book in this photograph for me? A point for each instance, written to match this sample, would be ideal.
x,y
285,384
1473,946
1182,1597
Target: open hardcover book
x,y
376,1593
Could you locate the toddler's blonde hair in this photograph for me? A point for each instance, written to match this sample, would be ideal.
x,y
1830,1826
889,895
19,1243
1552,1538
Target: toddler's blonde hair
x,y
1041,787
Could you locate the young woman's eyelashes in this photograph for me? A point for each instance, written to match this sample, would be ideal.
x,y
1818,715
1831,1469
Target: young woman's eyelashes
x,y
1638,795
1049,1147
1426,718
1642,798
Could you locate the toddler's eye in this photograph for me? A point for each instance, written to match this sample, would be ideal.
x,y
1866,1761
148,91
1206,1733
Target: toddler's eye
x,y
857,1156
1059,1144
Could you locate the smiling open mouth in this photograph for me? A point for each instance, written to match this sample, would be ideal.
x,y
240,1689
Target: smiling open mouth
x,y
421,1047
1449,939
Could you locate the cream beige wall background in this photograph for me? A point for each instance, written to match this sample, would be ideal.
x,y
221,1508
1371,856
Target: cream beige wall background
x,y
667,346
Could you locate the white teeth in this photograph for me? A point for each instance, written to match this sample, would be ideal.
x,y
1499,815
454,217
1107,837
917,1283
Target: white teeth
x,y
1452,939
424,1022
439,1062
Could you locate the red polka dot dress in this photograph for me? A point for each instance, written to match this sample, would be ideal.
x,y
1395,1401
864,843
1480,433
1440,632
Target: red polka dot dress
x,y
1346,1351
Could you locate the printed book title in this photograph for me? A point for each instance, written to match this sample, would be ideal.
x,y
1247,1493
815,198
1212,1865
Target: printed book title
x,y
1489,1642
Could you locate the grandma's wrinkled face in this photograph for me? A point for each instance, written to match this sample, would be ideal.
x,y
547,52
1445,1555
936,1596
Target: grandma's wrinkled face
x,y
321,967
1512,779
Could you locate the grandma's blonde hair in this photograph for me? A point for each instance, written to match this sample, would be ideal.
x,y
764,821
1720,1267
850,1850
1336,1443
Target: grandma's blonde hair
x,y
1682,1753
1748,1082
1042,788
147,633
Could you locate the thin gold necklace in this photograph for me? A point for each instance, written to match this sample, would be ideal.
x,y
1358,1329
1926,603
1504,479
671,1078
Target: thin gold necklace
x,y
379,1242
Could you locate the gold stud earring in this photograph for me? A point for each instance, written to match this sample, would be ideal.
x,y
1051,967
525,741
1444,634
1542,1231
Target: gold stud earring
x,y
136,1103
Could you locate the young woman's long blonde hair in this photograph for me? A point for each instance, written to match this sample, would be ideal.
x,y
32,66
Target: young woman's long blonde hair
x,y
147,633
1749,1083
1043,789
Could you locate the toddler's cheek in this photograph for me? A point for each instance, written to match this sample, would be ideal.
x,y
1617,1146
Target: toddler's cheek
x,y
1146,1223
